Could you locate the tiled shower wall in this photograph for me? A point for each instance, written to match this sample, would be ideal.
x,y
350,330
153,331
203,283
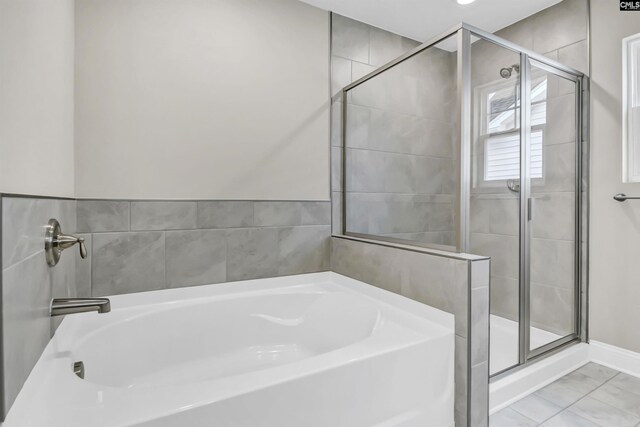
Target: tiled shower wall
x,y
559,32
28,284
400,126
139,246
455,283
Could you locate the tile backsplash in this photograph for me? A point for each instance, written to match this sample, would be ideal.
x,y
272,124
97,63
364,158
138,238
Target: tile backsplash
x,y
139,246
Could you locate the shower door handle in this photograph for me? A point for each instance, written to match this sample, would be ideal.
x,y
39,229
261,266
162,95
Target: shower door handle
x,y
530,206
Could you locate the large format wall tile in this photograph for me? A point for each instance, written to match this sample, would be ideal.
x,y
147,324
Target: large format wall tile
x,y
26,324
303,249
225,214
28,283
252,253
163,215
103,215
195,257
127,262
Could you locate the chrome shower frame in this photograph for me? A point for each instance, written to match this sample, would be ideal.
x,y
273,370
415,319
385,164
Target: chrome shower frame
x,y
464,33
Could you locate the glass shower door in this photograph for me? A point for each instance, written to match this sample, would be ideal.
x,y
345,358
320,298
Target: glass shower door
x,y
494,208
552,293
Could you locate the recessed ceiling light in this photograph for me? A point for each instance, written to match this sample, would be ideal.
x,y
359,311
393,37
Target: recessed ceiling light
x,y
465,1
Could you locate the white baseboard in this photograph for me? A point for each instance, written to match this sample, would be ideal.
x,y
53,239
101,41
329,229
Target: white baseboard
x,y
509,389
615,357
514,387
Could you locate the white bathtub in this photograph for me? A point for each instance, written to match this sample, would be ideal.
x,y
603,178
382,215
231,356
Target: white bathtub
x,y
301,351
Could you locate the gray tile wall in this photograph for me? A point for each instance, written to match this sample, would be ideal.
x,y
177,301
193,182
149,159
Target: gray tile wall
x,y
400,147
457,285
137,246
559,32
29,284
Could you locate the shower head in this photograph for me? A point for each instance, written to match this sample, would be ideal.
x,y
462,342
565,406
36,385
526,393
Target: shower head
x,y
506,72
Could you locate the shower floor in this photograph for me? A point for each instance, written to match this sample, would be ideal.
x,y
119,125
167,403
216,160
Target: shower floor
x,y
503,342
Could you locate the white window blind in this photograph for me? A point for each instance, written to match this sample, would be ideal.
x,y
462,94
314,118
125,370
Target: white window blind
x,y
502,138
502,156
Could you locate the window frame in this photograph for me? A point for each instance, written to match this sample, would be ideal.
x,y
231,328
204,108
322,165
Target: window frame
x,y
482,135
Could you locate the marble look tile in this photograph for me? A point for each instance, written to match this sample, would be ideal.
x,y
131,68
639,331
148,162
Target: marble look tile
x,y
386,46
480,273
618,398
336,212
24,222
374,171
269,214
479,399
163,215
568,419
505,297
340,74
303,249
553,216
316,213
503,251
552,309
252,253
561,124
336,169
560,25
63,280
377,265
560,169
102,215
83,269
576,56
438,282
536,408
195,257
461,377
552,262
480,214
479,325
349,38
128,262
359,70
626,382
505,216
579,382
510,418
26,324
560,395
224,214
603,414
336,124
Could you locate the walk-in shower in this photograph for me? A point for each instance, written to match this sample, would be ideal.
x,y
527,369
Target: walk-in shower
x,y
470,143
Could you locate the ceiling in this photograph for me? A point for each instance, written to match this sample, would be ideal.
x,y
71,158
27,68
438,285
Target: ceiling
x,y
423,19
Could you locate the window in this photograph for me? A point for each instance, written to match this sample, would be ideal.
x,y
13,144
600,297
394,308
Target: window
x,y
631,108
500,129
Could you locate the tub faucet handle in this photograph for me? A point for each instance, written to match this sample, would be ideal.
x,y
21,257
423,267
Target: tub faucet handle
x,y
55,242
66,241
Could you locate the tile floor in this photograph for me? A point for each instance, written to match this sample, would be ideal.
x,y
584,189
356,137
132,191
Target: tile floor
x,y
591,396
